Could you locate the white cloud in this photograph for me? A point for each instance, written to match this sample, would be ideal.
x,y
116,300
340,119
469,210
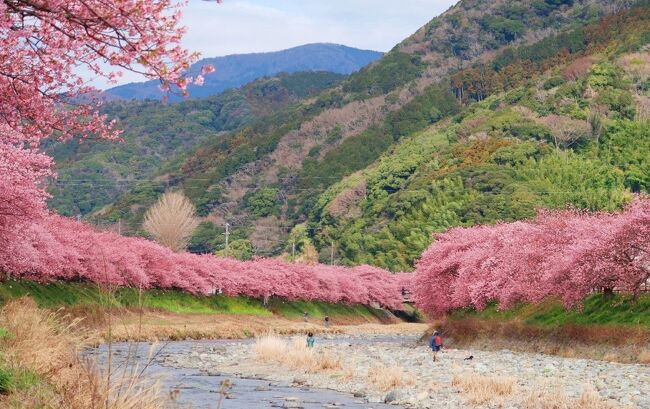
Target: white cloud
x,y
244,26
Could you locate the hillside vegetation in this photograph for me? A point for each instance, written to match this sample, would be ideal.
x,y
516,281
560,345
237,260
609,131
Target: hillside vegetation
x,y
544,126
473,119
158,136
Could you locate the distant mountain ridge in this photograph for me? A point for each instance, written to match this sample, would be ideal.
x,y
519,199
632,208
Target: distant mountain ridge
x,y
233,71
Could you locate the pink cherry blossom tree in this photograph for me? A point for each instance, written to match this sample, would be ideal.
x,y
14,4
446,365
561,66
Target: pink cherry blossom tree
x,y
563,254
59,248
43,46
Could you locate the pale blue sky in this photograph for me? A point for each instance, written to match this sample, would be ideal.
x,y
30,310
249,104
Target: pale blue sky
x,y
244,26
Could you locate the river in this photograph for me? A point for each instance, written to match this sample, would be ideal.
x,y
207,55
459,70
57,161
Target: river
x,y
199,389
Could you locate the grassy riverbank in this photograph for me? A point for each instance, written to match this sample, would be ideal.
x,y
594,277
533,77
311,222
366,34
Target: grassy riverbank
x,y
618,310
41,365
613,328
84,295
126,314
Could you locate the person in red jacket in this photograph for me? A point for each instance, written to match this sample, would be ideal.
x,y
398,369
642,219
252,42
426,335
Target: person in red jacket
x,y
436,344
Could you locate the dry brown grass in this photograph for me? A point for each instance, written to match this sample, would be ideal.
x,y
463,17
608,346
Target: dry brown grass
x,y
544,398
611,343
480,389
389,377
642,108
294,354
644,357
397,329
158,325
153,325
636,65
42,343
578,68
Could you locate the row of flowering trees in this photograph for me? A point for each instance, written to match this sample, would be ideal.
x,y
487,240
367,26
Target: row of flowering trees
x,y
563,254
44,45
60,248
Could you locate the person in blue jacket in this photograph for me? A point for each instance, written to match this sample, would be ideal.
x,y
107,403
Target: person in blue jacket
x,y
435,343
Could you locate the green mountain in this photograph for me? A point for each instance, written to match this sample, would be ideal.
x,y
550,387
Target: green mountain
x,y
541,126
158,135
475,118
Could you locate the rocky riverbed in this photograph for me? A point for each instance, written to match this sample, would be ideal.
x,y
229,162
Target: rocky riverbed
x,y
500,379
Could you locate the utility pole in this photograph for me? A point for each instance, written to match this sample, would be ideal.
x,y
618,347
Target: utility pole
x,y
227,234
119,226
293,249
332,254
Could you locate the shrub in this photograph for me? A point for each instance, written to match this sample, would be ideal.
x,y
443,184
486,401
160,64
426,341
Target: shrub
x,y
553,82
295,354
481,389
263,202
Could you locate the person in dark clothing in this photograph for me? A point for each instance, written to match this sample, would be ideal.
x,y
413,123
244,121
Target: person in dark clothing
x,y
435,343
327,321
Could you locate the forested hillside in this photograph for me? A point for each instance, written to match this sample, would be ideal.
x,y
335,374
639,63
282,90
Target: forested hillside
x,y
158,135
475,118
543,127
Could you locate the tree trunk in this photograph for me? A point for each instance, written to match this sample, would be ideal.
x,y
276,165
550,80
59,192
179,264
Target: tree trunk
x,y
608,292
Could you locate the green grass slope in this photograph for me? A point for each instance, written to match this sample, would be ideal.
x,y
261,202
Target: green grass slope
x,y
617,310
60,294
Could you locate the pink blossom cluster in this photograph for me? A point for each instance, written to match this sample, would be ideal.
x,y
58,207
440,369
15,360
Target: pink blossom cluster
x,y
563,254
59,248
44,46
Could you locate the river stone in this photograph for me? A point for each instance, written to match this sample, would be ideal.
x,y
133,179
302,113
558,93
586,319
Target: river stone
x,y
393,396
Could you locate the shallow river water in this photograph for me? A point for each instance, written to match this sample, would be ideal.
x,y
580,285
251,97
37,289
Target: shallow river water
x,y
200,390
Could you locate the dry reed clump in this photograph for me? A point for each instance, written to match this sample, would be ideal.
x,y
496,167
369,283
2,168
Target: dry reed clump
x,y
40,342
481,389
544,398
644,357
389,377
171,220
295,354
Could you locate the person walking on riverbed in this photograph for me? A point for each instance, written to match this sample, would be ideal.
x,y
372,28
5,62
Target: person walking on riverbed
x,y
310,340
436,344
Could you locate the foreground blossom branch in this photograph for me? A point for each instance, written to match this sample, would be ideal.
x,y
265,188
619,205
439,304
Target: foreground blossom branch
x,y
43,44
